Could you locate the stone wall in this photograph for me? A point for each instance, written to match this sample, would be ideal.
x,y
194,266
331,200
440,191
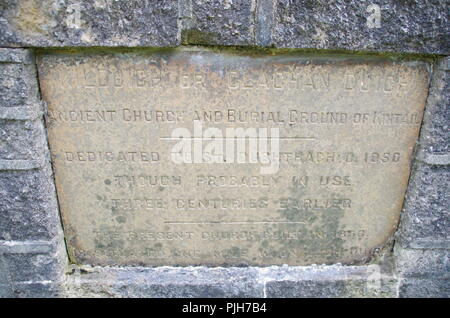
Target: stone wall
x,y
33,259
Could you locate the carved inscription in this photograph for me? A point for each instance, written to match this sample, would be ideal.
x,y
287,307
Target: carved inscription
x,y
347,128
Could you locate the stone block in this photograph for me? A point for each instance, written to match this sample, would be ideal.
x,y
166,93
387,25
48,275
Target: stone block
x,y
22,140
333,281
170,282
423,263
425,288
18,85
29,209
36,264
88,23
390,25
218,22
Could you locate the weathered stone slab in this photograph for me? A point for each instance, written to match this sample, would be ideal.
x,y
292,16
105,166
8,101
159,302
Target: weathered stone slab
x,y
29,207
200,281
422,263
166,282
347,130
426,217
18,85
425,288
22,140
387,25
44,23
218,22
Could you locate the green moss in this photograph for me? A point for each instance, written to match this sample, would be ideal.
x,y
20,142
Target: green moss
x,y
207,41
194,36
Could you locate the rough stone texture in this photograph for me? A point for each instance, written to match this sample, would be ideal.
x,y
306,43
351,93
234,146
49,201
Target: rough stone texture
x,y
423,263
36,265
426,218
422,251
424,288
435,138
22,133
15,86
218,22
20,56
22,140
88,23
264,22
38,289
275,281
330,282
349,288
32,251
28,210
5,283
31,220
170,282
18,85
405,26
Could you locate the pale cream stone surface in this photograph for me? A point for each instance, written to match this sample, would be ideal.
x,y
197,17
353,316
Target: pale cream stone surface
x,y
351,121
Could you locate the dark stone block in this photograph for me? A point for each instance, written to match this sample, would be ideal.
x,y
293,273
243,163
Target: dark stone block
x,y
425,288
22,140
425,222
405,26
219,22
88,23
38,290
37,267
264,22
307,289
6,291
18,85
173,290
434,136
28,210
422,263
165,282
330,282
14,55
315,288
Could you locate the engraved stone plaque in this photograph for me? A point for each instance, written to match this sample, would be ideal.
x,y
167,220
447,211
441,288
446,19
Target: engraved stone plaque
x,y
148,173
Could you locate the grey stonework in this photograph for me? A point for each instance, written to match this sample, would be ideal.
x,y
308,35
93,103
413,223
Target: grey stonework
x,y
32,250
33,260
405,26
422,248
424,288
88,23
426,217
275,281
216,22
18,85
